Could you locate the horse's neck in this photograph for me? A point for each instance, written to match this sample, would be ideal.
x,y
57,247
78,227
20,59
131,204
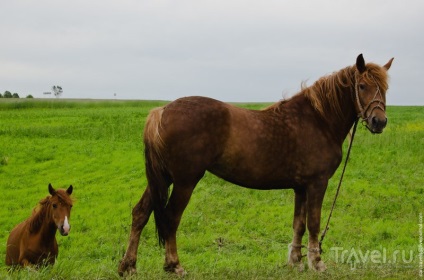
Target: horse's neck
x,y
340,126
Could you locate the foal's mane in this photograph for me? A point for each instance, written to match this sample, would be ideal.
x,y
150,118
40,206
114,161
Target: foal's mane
x,y
39,214
41,211
325,93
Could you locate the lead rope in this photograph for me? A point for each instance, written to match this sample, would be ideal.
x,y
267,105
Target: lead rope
x,y
338,188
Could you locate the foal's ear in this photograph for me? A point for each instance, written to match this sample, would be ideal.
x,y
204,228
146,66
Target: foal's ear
x,y
360,64
52,191
69,190
388,64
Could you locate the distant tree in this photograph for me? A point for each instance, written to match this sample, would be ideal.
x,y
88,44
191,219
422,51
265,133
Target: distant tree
x,y
1,95
57,91
29,96
7,94
15,95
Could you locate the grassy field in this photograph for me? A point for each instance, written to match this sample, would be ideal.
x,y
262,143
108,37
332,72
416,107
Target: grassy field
x,y
226,232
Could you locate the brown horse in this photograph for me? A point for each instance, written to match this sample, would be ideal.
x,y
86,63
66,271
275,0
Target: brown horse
x,y
33,242
295,143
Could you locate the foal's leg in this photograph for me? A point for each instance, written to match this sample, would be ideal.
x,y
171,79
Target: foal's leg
x,y
299,226
177,203
315,196
140,215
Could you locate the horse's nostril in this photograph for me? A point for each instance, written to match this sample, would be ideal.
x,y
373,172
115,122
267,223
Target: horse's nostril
x,y
377,125
376,122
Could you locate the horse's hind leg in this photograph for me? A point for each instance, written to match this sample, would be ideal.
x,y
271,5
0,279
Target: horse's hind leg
x,y
299,227
140,216
178,201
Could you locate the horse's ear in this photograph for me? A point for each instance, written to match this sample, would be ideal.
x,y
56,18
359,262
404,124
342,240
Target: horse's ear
x,y
388,64
69,190
360,64
52,191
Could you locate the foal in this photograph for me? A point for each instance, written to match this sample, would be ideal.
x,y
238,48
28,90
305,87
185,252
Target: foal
x,y
33,242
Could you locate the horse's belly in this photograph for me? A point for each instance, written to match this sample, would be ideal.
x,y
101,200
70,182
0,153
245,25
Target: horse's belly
x,y
255,178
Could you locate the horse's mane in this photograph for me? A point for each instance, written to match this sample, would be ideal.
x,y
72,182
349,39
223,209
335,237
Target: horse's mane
x,y
39,215
378,74
40,212
324,94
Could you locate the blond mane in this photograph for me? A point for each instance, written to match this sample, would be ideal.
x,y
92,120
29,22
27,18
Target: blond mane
x,y
324,94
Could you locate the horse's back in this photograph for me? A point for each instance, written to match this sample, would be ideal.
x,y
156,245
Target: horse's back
x,y
195,113
197,116
13,246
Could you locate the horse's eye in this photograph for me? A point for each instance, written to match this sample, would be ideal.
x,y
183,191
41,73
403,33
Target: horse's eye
x,y
71,206
54,206
361,86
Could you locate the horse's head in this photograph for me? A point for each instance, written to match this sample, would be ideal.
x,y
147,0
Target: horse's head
x,y
61,205
370,93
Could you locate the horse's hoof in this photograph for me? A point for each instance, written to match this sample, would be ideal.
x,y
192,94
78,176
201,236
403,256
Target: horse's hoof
x,y
180,271
175,268
317,265
300,266
295,259
126,268
320,266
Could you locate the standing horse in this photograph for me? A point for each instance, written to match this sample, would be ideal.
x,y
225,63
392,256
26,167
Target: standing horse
x,y
295,143
33,242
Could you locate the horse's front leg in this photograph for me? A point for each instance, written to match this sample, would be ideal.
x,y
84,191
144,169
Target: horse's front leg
x,y
24,262
315,196
299,226
140,216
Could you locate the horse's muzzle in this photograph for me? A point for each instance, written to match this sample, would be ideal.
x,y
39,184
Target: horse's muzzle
x,y
64,231
65,227
377,124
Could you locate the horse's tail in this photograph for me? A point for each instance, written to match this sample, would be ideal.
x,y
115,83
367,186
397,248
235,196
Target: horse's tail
x,y
158,177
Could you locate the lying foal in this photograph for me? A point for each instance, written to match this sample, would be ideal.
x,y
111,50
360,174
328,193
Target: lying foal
x,y
33,242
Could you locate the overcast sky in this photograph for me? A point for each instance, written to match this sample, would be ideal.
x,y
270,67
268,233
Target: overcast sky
x,y
230,50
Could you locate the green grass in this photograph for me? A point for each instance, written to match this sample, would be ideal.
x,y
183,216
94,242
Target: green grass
x,y
226,232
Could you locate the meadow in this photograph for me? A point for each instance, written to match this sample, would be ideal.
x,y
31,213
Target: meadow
x,y
227,232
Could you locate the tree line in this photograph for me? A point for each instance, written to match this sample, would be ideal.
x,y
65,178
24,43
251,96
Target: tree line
x,y
8,94
57,92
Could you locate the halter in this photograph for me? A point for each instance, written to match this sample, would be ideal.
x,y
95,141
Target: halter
x,y
362,111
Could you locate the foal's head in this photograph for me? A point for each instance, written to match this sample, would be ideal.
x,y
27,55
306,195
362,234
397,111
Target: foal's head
x,y
370,93
61,205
